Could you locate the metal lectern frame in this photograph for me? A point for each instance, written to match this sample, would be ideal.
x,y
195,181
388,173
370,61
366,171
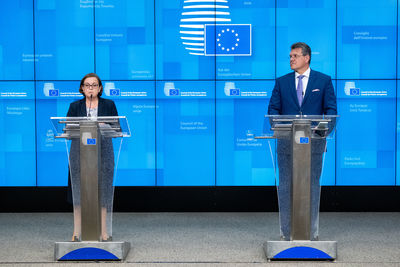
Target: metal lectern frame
x,y
299,131
88,131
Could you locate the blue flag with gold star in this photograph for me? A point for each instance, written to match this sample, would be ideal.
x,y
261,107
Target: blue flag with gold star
x,y
227,39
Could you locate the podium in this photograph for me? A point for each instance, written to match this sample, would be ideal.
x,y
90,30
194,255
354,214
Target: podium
x,y
92,171
301,142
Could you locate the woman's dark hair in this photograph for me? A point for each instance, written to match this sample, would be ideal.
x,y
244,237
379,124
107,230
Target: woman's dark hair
x,y
90,75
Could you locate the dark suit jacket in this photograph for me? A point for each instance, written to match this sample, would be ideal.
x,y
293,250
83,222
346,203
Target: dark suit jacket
x,y
319,98
106,107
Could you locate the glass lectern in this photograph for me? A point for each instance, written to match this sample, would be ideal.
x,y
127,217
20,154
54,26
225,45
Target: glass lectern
x,y
301,144
93,146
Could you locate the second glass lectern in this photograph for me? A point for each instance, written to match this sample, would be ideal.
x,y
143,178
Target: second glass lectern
x,y
301,144
93,145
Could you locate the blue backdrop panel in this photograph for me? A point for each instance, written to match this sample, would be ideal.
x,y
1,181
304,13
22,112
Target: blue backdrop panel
x,y
17,134
366,34
16,40
185,133
366,132
398,43
194,129
64,42
261,63
317,29
328,176
136,101
242,160
125,40
398,136
173,60
52,100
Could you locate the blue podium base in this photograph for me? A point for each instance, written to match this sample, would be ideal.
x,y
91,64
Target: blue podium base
x,y
300,250
91,251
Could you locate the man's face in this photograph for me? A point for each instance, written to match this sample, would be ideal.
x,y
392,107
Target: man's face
x,y
298,62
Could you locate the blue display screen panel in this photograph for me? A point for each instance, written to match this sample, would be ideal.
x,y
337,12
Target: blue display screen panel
x,y
366,39
244,40
17,134
398,43
185,133
328,175
52,100
241,159
366,132
125,40
135,100
16,40
398,136
193,130
137,160
317,29
177,52
64,39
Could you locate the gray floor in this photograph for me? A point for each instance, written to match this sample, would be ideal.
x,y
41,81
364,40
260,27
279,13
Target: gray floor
x,y
202,239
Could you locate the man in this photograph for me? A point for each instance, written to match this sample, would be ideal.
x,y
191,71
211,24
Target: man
x,y
302,92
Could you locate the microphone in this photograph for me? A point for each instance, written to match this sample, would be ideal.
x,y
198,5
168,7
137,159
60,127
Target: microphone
x,y
90,105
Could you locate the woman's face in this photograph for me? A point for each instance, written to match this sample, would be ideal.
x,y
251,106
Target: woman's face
x,y
91,87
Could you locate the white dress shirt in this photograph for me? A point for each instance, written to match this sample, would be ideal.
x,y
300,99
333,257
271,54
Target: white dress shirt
x,y
304,80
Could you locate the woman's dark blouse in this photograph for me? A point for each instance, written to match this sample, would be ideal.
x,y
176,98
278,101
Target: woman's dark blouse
x,y
106,107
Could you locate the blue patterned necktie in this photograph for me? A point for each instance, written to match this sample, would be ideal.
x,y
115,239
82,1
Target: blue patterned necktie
x,y
300,89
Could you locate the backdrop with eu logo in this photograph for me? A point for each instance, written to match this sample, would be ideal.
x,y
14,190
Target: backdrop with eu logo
x,y
194,79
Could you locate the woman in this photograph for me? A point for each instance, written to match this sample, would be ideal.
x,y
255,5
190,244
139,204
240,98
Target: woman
x,y
92,105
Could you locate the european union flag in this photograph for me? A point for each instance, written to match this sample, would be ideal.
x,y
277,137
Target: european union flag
x,y
53,92
304,140
91,141
354,91
234,92
173,92
227,39
114,92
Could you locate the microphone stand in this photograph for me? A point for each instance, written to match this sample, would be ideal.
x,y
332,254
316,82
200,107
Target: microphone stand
x,y
90,105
